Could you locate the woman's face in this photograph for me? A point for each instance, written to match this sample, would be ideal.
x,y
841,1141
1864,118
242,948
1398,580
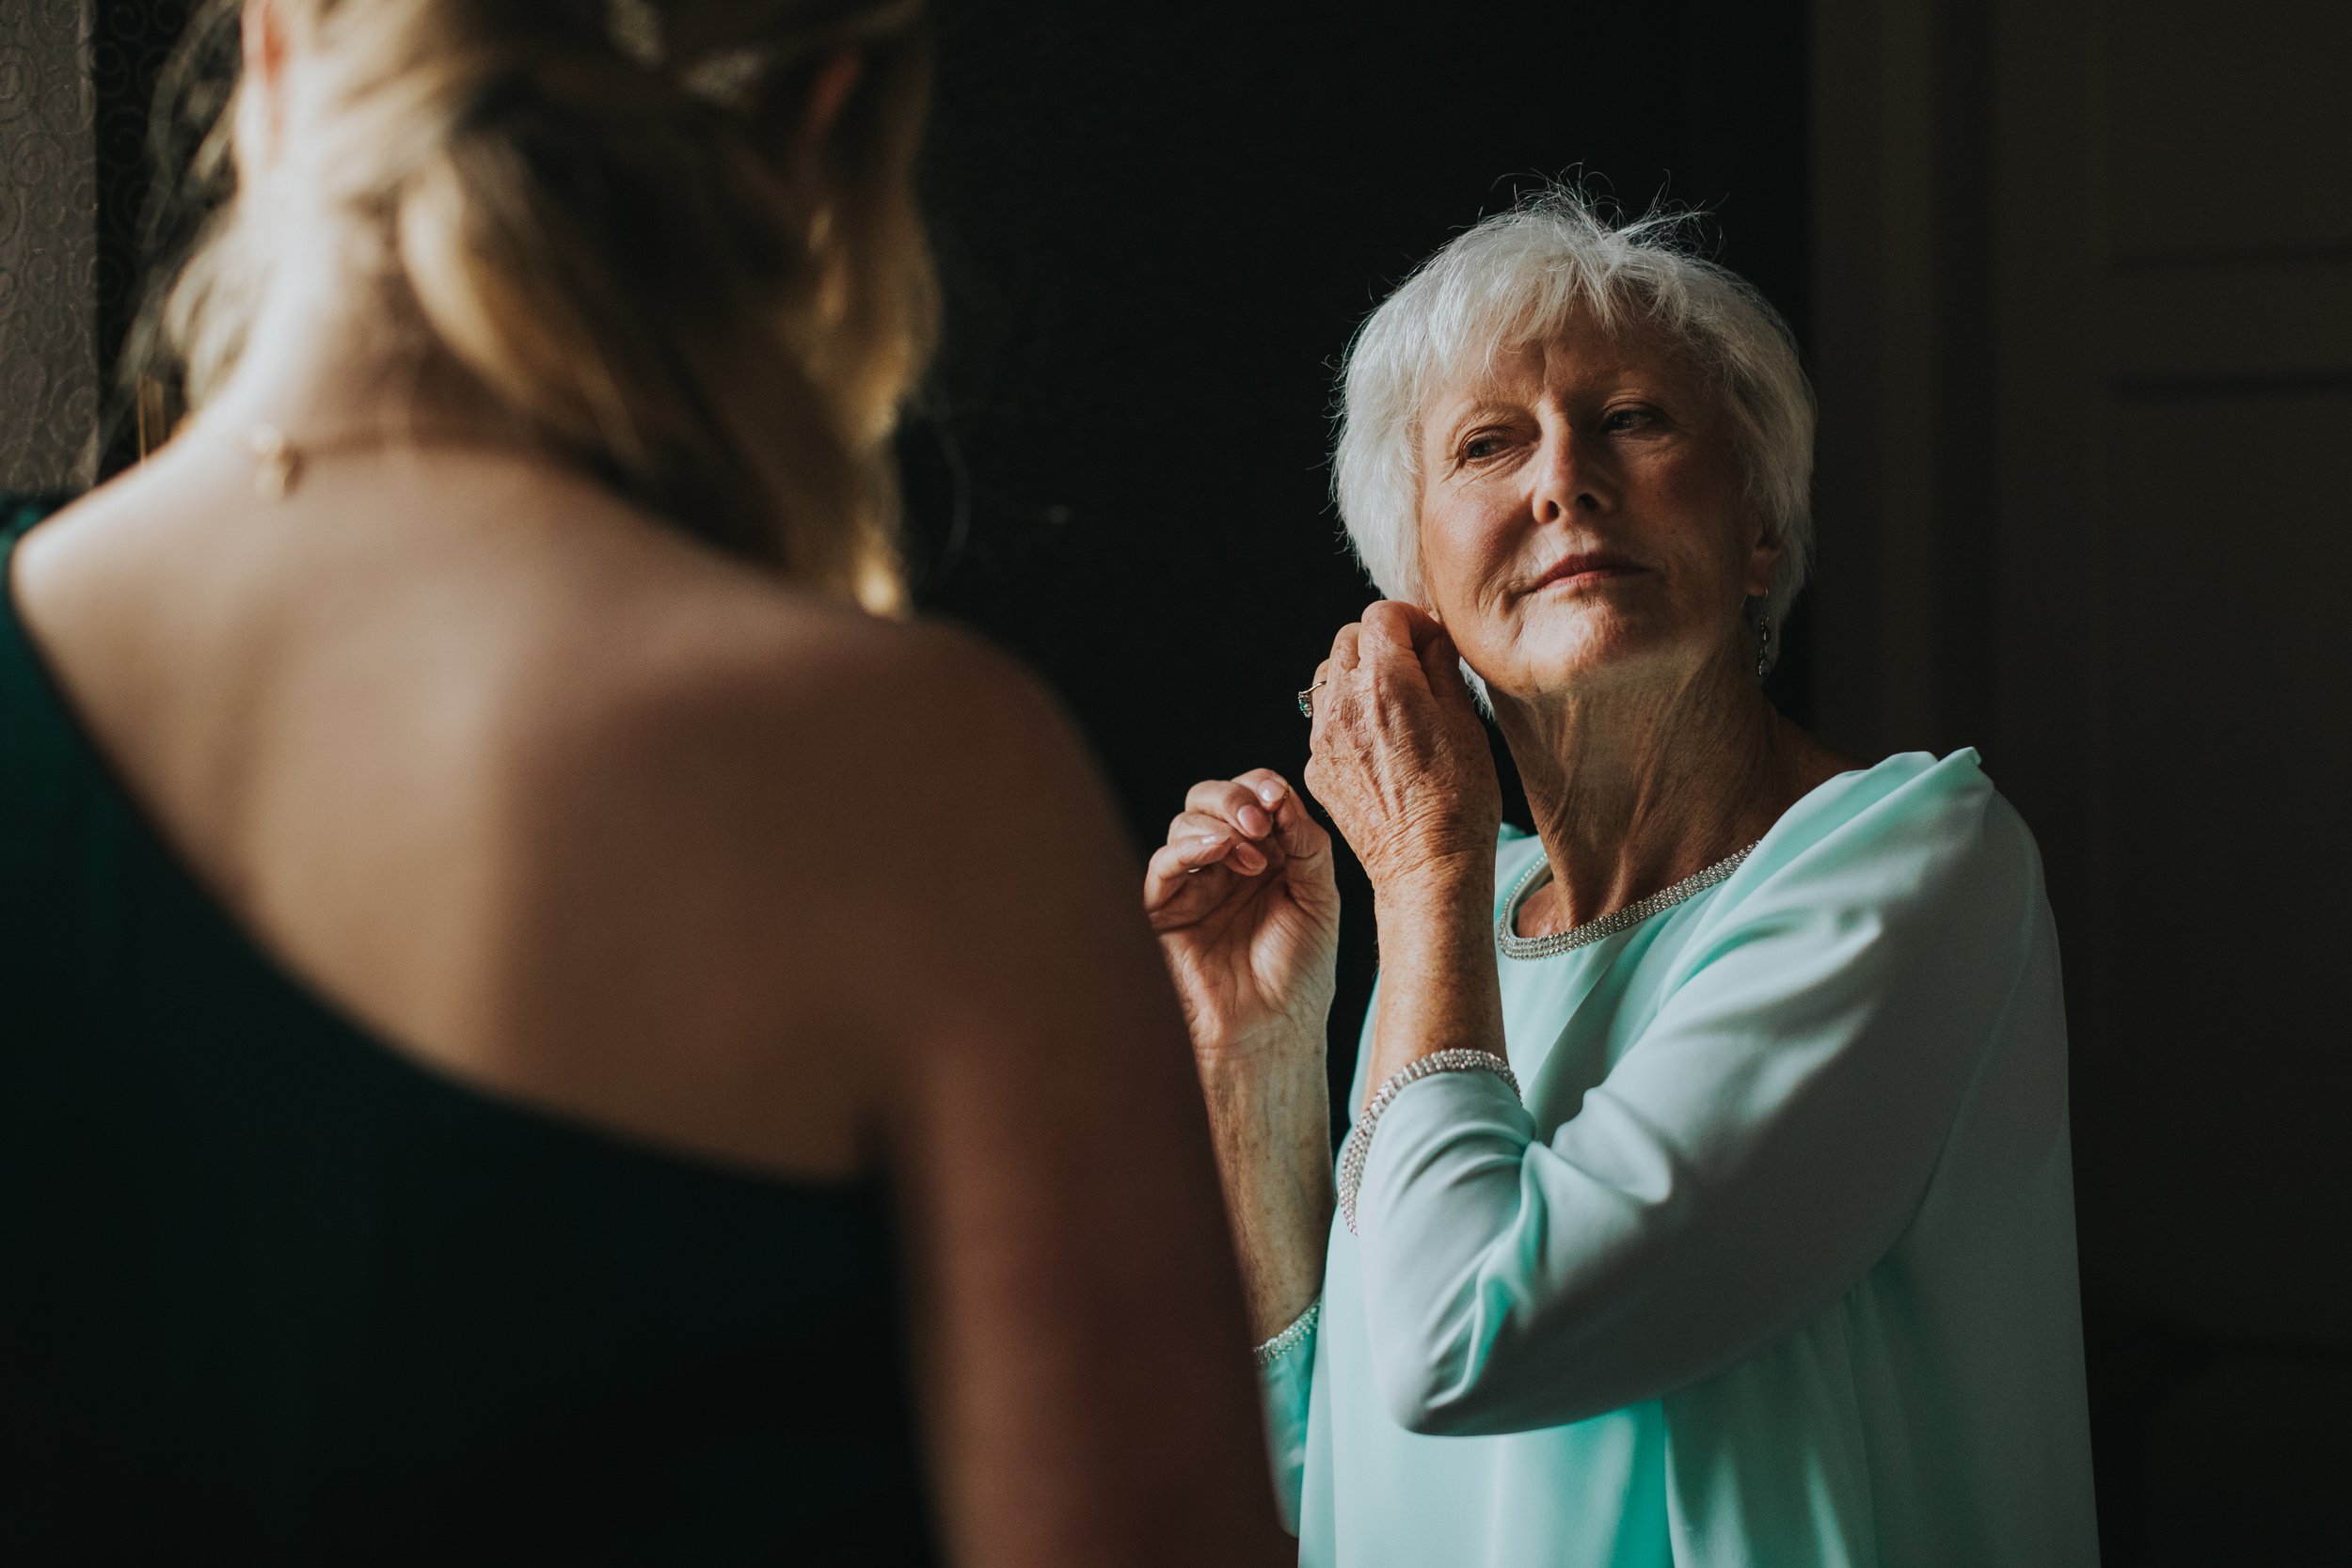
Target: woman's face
x,y
1584,523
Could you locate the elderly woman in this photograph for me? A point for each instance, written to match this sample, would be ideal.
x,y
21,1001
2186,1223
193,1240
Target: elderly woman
x,y
1707,1197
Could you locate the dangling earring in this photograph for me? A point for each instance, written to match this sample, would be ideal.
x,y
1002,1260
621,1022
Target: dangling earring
x,y
1763,640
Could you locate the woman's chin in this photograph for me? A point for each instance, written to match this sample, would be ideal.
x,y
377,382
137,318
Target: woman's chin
x,y
1594,667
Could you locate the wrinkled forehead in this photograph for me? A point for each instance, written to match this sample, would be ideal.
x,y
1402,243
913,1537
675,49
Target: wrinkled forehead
x,y
1517,347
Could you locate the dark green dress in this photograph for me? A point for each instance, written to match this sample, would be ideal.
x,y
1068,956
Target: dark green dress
x,y
270,1293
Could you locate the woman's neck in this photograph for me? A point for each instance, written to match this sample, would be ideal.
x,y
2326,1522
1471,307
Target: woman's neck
x,y
324,361
1635,788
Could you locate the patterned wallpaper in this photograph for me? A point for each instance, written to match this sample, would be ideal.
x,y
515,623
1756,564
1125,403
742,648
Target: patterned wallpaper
x,y
49,377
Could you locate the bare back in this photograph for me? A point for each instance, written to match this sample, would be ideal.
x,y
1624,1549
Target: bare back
x,y
579,813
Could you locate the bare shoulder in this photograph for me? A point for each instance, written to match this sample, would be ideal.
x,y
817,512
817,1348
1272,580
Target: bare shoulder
x,y
915,743
575,809
827,802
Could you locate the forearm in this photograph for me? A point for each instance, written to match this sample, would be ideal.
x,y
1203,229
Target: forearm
x,y
1272,1131
1439,990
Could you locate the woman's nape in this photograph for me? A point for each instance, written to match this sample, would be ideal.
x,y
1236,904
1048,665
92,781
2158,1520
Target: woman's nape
x,y
493,733
713,292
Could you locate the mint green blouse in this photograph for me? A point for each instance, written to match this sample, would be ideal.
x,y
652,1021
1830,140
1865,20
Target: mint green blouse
x,y
1773,1264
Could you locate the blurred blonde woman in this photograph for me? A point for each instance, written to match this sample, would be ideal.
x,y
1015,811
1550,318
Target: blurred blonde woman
x,y
540,1027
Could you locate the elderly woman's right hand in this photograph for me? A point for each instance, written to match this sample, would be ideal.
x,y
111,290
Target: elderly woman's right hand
x,y
1248,913
1401,760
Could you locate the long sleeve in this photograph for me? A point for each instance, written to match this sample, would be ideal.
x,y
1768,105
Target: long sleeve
x,y
1758,1147
1286,1383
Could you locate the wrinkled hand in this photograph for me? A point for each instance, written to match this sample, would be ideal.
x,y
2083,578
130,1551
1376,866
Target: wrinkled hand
x,y
1248,913
1401,761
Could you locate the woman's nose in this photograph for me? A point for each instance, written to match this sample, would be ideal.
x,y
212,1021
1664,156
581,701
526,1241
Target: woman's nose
x,y
1570,482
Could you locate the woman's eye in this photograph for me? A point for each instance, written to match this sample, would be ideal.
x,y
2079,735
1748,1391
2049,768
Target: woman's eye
x,y
1619,419
1479,447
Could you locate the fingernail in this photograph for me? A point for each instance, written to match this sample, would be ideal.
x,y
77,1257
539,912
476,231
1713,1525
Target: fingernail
x,y
1253,821
1248,860
1271,793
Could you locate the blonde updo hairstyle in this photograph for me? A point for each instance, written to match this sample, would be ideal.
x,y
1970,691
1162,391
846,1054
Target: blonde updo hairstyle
x,y
613,215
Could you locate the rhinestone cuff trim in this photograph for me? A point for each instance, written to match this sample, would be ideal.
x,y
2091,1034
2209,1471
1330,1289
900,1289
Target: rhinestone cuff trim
x,y
1360,1139
1291,1337
1513,945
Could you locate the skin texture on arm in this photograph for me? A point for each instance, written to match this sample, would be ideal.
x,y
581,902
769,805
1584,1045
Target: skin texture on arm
x,y
1243,900
1400,764
1243,897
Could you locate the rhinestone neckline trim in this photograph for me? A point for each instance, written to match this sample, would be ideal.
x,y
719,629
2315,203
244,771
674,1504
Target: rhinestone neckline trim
x,y
1513,945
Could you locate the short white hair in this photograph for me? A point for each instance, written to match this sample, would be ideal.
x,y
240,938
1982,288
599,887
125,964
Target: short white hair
x,y
1516,279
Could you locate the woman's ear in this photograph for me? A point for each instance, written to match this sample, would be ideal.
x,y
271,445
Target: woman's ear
x,y
262,87
1763,561
836,80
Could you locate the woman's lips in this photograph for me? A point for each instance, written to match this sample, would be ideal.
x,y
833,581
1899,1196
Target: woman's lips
x,y
1577,570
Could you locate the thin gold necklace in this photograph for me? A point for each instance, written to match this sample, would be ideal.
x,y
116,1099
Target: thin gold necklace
x,y
279,462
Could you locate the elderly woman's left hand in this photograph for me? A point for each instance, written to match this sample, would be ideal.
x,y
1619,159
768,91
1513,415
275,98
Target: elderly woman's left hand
x,y
1401,760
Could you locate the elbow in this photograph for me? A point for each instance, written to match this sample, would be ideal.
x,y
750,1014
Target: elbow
x,y
1442,1362
1438,1390
1427,1411
1462,1388
1436,1406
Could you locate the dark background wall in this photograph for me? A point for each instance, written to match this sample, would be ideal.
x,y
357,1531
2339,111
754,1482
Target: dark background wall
x,y
1159,226
2084,346
2076,282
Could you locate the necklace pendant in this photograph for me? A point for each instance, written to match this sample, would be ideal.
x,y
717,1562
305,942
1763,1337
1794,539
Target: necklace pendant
x,y
277,463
